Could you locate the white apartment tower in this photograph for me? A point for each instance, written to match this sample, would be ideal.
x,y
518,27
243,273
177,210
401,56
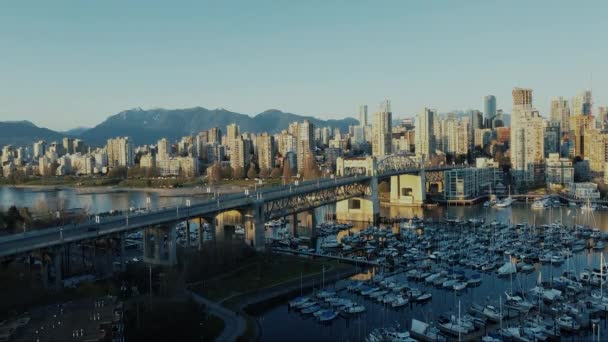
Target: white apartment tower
x,y
382,130
120,152
527,138
425,137
363,115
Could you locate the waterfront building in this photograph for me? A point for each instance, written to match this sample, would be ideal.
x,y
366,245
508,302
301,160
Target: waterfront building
x,y
584,191
468,183
382,130
559,171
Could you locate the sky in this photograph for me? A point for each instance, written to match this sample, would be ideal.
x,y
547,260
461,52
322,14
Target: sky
x,y
65,64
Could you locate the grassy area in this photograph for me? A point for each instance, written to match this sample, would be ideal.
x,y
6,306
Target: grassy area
x,y
175,319
259,273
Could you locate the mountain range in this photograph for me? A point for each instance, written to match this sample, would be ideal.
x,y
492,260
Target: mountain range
x,y
148,126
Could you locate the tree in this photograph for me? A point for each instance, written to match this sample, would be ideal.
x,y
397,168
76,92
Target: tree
x,y
226,172
118,172
311,169
264,173
252,173
276,172
215,173
238,172
287,171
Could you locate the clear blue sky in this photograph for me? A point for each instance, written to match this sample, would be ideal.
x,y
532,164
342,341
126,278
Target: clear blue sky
x,y
71,63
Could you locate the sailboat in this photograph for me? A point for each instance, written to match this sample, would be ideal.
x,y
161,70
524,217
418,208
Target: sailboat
x,y
492,199
505,202
588,206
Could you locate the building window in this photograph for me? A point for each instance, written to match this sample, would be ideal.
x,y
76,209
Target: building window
x,y
354,204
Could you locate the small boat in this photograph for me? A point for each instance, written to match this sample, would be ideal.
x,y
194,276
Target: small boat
x,y
311,309
459,286
492,313
298,301
423,297
327,316
399,302
355,309
425,332
567,323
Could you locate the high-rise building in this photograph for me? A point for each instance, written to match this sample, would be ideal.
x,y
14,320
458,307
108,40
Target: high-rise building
x,y
522,98
596,149
363,115
602,116
560,112
305,142
527,140
164,149
578,125
489,107
214,135
265,154
68,145
382,130
425,136
552,137
239,156
233,131
120,152
582,103
39,149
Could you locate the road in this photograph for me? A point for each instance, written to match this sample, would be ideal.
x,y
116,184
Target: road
x,y
234,325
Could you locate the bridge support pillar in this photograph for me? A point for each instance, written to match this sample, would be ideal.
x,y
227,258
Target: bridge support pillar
x,y
199,236
160,245
123,256
254,226
44,271
294,224
57,274
408,190
187,234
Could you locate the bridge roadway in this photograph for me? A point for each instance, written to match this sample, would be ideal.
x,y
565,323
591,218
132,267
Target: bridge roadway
x,y
29,241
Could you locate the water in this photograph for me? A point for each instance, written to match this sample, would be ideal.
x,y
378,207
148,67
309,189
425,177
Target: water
x,y
93,200
278,323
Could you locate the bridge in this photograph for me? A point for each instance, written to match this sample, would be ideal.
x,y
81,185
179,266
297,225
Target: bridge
x,y
355,190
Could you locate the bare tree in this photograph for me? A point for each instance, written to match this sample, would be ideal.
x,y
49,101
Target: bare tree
x,y
238,172
252,173
287,171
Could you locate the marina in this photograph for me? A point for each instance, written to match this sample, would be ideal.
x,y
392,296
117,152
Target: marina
x,y
452,273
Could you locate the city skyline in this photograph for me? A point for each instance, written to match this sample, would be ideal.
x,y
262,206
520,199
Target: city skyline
x,y
69,68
